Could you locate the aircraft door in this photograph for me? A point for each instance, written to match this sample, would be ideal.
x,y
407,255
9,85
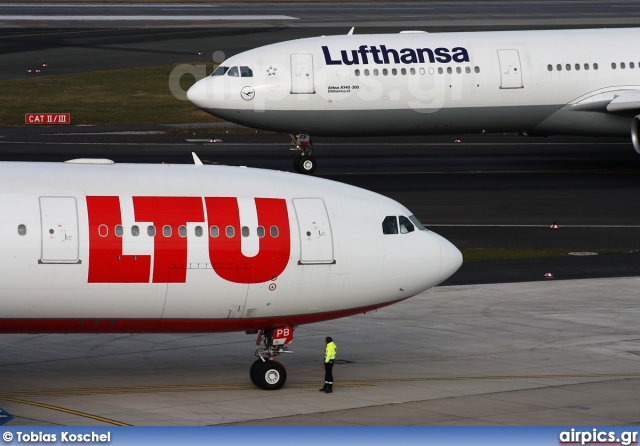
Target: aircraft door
x,y
510,70
302,74
316,240
59,227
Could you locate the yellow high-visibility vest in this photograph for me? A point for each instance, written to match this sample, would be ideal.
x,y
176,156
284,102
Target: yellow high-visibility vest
x,y
330,352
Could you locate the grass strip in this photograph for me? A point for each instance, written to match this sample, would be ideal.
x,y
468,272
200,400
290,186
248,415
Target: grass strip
x,y
476,254
129,96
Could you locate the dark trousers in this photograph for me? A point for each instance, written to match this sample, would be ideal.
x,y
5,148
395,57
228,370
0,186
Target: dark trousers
x,y
328,372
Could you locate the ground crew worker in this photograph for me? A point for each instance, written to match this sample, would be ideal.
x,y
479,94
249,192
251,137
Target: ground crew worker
x,y
329,358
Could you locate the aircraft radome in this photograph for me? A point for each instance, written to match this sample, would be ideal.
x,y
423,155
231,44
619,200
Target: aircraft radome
x,y
551,82
90,246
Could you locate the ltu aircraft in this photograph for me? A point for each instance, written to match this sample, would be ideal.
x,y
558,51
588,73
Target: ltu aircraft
x,y
569,82
90,246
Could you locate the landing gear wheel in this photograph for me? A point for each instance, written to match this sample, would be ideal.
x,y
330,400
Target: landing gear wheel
x,y
296,163
307,164
253,372
271,375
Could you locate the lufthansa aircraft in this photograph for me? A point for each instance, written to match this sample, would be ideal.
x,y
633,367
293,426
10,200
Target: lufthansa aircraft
x,y
89,246
571,82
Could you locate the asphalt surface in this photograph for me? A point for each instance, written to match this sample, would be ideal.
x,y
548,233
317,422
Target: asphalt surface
x,y
85,44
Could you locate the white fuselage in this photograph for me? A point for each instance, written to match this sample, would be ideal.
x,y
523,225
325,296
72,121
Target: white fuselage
x,y
538,82
175,248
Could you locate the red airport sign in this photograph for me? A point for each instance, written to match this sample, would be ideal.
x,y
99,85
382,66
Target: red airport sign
x,y
47,118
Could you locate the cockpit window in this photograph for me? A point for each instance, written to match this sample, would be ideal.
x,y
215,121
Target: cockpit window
x,y
416,222
233,72
390,225
220,71
405,225
246,72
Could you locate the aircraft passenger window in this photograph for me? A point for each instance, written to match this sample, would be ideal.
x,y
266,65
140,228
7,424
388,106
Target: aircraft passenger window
x,y
103,231
119,230
405,225
375,72
440,70
166,231
403,71
430,70
559,67
198,231
568,67
233,72
357,72
220,71
613,65
260,231
151,231
230,231
631,65
245,231
477,69
385,72
550,67
135,231
595,66
214,232
622,66
394,71
449,70
273,230
586,66
467,70
366,72
422,71
246,72
417,222
390,225
458,70
182,231
412,71
22,230
577,67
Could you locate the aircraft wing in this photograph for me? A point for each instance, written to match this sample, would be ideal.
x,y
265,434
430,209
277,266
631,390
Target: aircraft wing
x,y
628,100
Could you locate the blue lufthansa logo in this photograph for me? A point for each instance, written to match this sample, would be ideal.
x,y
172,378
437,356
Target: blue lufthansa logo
x,y
247,93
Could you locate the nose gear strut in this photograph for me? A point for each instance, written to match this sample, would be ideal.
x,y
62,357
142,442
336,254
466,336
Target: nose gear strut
x,y
266,372
304,162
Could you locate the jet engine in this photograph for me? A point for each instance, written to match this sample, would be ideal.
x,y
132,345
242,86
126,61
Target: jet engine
x,y
635,139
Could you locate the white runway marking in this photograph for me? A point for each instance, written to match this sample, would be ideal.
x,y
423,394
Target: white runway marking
x,y
529,226
107,18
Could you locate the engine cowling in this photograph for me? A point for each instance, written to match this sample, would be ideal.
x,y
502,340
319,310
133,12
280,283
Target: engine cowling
x,y
635,138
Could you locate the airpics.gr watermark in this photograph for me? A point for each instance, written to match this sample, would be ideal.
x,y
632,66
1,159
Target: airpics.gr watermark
x,y
596,436
61,437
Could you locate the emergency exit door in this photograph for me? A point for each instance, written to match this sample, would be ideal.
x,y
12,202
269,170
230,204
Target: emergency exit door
x,y
510,69
316,240
302,74
59,226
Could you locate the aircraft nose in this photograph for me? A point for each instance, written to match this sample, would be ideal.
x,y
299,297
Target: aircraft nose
x,y
197,94
450,259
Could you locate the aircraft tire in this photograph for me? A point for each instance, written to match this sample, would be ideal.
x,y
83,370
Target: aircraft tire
x,y
271,375
253,372
308,164
296,163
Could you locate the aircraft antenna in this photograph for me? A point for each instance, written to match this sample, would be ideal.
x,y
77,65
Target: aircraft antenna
x,y
350,33
196,160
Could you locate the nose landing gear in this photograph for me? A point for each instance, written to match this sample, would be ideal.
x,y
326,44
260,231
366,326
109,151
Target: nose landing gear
x,y
266,372
304,162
